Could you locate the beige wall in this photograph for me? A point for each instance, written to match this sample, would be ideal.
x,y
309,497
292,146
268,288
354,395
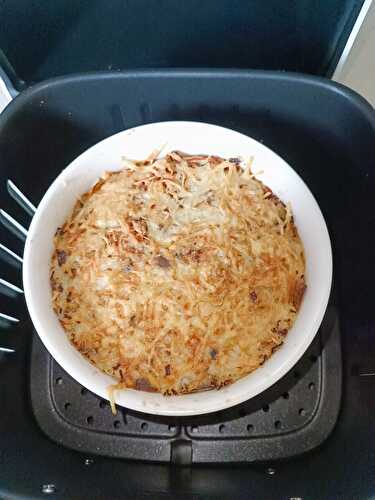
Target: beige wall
x,y
356,68
4,95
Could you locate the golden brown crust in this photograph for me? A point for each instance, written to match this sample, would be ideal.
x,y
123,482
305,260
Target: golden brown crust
x,y
178,274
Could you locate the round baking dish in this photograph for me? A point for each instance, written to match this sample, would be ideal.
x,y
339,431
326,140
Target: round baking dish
x,y
191,137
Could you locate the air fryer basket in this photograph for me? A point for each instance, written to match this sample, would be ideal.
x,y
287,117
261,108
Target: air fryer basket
x,y
64,439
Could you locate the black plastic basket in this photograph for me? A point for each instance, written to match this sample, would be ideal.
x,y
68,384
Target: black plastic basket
x,y
55,438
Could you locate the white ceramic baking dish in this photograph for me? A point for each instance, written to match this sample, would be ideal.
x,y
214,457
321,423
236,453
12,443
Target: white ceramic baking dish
x,y
138,143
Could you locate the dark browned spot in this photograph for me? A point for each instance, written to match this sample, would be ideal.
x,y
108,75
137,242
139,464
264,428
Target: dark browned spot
x,y
138,228
298,292
61,257
142,384
215,160
236,161
262,359
213,353
162,262
193,254
168,370
253,296
132,321
97,186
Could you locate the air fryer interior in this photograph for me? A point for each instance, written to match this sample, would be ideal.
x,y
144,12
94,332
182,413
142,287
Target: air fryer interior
x,y
54,433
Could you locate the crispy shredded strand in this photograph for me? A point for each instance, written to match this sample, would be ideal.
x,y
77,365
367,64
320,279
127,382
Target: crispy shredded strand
x,y
178,274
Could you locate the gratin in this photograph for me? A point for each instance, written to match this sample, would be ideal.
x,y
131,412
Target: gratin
x,y
178,274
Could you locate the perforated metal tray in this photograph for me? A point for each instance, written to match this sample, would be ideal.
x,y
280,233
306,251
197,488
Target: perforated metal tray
x,y
294,416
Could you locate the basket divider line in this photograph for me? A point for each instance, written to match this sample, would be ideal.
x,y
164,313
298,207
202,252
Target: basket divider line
x,y
6,317
6,350
10,223
10,286
11,253
20,198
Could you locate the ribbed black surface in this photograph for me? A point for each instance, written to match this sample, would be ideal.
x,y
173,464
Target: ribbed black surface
x,y
293,416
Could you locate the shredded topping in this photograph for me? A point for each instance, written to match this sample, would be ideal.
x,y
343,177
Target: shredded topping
x,y
179,273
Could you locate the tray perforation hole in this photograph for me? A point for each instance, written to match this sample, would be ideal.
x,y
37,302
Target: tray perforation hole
x,y
269,417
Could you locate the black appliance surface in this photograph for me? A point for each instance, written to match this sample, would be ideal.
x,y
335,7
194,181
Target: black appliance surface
x,y
327,134
67,36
